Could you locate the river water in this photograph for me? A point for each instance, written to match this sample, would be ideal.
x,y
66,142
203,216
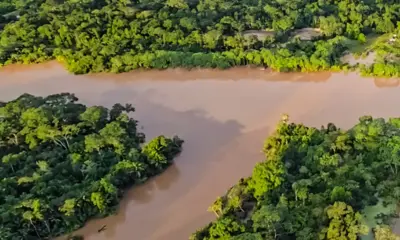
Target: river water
x,y
223,116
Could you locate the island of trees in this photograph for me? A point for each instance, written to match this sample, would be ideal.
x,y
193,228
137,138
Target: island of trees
x,y
121,35
322,183
63,163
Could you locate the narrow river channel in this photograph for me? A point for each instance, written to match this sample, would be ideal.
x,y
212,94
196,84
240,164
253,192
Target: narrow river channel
x,y
223,116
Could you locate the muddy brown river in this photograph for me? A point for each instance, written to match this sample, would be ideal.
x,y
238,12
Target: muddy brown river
x,y
223,116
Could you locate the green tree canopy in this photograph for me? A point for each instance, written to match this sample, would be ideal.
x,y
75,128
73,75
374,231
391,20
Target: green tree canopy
x,y
63,163
315,184
119,36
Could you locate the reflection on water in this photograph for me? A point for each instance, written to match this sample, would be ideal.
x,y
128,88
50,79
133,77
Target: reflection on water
x,y
385,82
223,124
239,73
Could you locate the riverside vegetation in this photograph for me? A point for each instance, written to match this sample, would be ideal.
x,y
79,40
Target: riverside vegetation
x,y
315,184
122,35
63,163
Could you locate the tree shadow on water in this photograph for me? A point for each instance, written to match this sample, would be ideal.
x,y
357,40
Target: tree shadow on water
x,y
143,193
144,208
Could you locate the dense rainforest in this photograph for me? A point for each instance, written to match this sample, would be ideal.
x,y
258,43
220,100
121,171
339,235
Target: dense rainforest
x,y
316,184
121,35
63,163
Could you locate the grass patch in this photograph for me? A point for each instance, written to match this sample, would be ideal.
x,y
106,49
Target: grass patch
x,y
359,49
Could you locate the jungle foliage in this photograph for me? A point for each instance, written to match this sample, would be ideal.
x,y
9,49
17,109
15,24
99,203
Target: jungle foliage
x,y
387,63
63,163
314,184
121,35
